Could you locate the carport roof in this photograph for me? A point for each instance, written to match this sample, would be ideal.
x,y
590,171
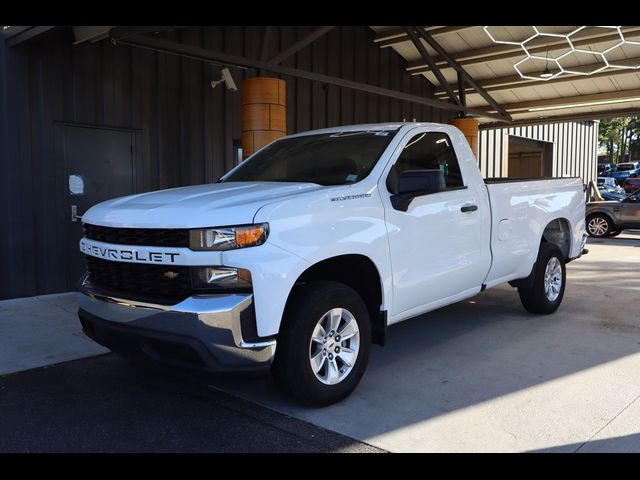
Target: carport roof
x,y
611,91
479,61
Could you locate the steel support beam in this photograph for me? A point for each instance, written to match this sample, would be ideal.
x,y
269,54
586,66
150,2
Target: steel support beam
x,y
220,58
434,69
567,102
120,33
266,40
28,34
516,81
300,44
468,78
461,90
627,112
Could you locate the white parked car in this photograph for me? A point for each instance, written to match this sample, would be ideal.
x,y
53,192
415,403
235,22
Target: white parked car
x,y
302,256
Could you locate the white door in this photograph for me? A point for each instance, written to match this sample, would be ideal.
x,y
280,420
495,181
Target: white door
x,y
439,246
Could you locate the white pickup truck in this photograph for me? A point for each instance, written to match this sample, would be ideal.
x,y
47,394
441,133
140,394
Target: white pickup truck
x,y
300,257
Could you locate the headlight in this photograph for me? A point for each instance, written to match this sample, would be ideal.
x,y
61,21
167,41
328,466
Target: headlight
x,y
221,277
228,238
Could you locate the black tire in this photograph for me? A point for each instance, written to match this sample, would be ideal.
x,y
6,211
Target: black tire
x,y
291,368
534,298
615,234
599,217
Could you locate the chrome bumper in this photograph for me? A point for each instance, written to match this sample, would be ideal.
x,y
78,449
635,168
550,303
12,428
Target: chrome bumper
x,y
203,331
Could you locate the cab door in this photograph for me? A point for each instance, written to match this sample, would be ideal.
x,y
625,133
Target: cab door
x,y
440,245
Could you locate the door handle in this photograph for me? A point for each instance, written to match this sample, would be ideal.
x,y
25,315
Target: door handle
x,y
74,214
469,208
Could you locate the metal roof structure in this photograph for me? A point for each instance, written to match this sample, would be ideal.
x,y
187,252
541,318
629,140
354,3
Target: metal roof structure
x,y
588,87
505,74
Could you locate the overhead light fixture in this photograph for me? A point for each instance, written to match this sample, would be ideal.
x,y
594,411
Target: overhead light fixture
x,y
585,104
600,57
546,73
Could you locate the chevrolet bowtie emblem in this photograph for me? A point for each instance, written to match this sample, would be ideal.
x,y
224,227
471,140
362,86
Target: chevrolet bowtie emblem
x,y
171,275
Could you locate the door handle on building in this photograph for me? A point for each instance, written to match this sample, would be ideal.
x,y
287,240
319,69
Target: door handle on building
x,y
74,214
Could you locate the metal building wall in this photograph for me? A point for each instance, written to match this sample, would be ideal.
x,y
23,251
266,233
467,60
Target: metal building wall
x,y
575,147
187,128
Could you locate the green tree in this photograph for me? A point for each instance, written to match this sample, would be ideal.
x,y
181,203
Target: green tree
x,y
619,136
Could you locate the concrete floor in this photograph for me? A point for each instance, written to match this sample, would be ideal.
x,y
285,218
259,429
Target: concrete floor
x,y
482,375
40,331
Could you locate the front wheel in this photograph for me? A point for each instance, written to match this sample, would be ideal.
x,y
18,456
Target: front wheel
x,y
549,278
323,345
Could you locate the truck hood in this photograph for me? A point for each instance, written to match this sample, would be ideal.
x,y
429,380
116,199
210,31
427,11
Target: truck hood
x,y
209,205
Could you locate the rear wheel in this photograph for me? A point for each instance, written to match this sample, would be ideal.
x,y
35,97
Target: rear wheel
x,y
323,346
546,293
599,225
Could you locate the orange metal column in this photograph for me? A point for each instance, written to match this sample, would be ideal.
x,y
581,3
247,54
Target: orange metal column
x,y
264,112
469,127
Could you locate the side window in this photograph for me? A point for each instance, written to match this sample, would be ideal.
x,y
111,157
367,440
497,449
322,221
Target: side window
x,y
431,151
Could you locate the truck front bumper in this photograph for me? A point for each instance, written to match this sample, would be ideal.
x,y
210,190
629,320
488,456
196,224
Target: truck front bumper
x,y
202,332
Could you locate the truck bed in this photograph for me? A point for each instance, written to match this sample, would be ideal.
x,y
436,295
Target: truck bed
x,y
521,209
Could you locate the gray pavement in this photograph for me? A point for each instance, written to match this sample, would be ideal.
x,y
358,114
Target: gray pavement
x,y
109,404
39,331
482,375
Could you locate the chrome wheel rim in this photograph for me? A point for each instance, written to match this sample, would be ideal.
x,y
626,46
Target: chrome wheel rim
x,y
553,279
334,345
598,226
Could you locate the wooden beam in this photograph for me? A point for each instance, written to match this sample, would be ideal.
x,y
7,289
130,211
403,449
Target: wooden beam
x,y
568,101
222,58
516,81
583,38
395,36
300,44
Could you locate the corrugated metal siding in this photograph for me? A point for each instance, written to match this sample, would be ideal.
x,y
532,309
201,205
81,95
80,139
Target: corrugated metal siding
x,y
575,147
187,128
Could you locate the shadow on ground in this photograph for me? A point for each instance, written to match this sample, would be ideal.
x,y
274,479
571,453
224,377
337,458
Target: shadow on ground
x,y
109,404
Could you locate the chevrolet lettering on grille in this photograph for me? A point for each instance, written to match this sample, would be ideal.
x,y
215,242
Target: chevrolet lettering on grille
x,y
124,254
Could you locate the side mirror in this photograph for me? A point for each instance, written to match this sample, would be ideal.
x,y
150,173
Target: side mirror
x,y
414,183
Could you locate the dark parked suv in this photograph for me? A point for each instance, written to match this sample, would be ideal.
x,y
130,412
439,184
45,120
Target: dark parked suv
x,y
609,218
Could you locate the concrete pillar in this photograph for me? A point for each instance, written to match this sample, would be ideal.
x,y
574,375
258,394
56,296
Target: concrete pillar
x,y
469,127
264,112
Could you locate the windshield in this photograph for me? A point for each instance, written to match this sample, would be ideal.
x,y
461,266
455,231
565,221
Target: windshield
x,y
326,159
623,167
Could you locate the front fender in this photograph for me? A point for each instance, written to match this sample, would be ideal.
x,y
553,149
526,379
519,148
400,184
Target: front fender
x,y
317,227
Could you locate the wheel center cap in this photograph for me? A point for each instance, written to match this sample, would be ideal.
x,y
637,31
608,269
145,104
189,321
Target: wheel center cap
x,y
329,344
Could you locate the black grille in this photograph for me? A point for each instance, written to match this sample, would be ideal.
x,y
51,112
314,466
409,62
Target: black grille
x,y
153,237
141,281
